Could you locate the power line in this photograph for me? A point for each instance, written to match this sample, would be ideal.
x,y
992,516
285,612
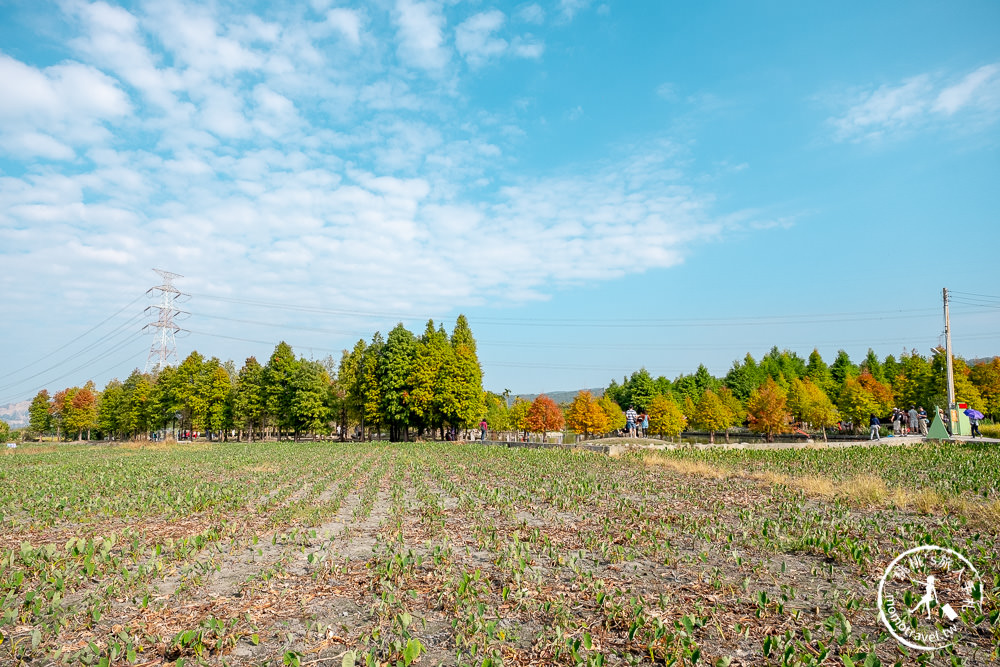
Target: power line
x,y
74,340
116,349
114,333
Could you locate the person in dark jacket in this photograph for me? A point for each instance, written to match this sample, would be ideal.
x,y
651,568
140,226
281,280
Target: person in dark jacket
x,y
874,423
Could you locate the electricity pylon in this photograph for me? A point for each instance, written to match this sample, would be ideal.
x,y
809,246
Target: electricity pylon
x,y
164,348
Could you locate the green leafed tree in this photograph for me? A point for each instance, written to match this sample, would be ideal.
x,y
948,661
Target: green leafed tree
x,y
744,377
249,399
497,414
371,384
310,384
460,398
219,398
349,381
138,405
39,417
433,350
819,373
278,391
841,369
914,380
937,389
395,367
110,410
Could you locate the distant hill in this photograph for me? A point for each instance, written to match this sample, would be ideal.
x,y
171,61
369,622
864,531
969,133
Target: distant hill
x,y
560,397
15,414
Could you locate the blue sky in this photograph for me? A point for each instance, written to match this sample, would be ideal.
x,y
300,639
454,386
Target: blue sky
x,y
599,186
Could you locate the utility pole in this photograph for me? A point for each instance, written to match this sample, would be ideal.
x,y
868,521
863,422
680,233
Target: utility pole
x,y
164,346
947,351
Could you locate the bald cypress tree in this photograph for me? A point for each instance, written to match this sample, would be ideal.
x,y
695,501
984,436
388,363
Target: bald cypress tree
x,y
395,370
460,397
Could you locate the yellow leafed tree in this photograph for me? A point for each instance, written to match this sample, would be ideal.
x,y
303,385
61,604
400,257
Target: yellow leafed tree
x,y
585,415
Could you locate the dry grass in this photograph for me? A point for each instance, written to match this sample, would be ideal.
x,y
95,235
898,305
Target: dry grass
x,y
33,449
862,490
687,467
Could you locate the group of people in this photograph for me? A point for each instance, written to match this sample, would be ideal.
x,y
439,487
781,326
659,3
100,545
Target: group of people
x,y
636,424
909,422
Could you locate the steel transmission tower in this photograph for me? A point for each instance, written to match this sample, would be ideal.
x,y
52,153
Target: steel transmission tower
x,y
164,348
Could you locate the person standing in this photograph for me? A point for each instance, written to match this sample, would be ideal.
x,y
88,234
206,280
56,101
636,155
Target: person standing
x,y
922,417
874,423
483,426
645,424
630,417
897,421
912,414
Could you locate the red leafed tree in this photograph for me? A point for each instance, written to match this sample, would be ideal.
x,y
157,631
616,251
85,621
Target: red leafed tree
x,y
544,416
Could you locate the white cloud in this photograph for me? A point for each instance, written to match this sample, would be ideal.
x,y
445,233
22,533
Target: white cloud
x,y
527,46
56,108
59,92
192,35
29,144
919,101
347,22
420,32
475,40
980,87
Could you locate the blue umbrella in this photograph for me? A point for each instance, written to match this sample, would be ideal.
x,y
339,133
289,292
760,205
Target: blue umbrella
x,y
975,414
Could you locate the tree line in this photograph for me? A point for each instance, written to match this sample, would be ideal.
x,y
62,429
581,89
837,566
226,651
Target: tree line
x,y
405,386
783,389
399,385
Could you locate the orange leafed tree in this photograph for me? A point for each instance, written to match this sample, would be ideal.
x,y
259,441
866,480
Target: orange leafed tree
x,y
585,415
544,416
767,409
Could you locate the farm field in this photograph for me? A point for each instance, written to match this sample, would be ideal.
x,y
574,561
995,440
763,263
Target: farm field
x,y
443,553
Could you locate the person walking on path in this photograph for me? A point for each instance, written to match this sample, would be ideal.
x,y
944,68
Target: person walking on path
x,y
974,423
630,417
874,423
483,426
912,414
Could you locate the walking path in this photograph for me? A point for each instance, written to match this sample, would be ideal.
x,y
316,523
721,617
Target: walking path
x,y
618,445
